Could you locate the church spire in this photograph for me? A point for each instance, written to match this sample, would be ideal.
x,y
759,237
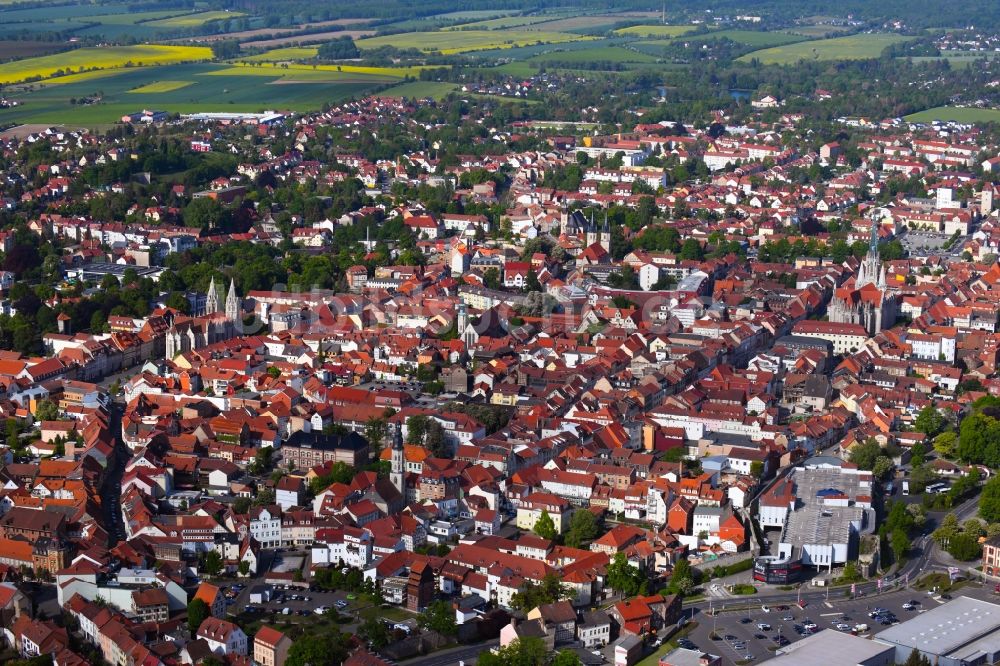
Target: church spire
x,y
233,304
212,298
873,239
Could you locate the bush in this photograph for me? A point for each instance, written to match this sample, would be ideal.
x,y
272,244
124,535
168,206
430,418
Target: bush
x,y
743,588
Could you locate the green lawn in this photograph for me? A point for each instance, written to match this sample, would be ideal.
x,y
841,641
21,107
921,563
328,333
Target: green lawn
x,y
852,47
615,54
958,114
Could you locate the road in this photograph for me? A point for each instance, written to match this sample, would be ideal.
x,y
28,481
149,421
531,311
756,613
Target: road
x,y
111,490
454,656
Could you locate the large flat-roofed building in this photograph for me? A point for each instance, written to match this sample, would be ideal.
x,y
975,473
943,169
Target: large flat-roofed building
x,y
962,632
822,508
820,648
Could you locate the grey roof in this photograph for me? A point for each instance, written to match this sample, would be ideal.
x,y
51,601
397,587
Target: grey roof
x,y
815,650
961,628
683,657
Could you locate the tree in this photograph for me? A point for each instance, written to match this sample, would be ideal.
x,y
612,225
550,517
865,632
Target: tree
x,y
864,454
545,527
197,611
314,649
964,547
882,467
682,577
376,430
531,282
244,568
930,421
582,527
46,410
566,658
900,543
916,659
623,577
212,564
491,278
989,501
375,632
946,444
527,651
440,617
691,249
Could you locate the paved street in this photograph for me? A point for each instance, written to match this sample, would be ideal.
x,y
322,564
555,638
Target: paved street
x,y
454,656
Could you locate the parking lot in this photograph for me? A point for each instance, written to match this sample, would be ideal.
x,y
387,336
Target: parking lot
x,y
756,634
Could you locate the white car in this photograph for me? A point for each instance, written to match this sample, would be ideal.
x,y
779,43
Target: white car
x,y
809,625
908,606
765,609
320,610
843,627
764,626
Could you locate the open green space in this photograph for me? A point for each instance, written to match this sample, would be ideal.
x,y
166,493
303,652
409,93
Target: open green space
x,y
957,114
208,88
851,47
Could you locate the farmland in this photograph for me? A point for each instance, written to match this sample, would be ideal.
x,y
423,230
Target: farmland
x,y
420,89
194,20
210,87
99,58
323,72
615,54
160,87
956,113
755,38
503,23
461,41
655,31
852,47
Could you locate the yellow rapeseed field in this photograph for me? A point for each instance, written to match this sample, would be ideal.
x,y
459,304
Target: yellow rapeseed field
x,y
110,57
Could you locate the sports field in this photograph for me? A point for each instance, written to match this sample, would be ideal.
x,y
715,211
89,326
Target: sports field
x,y
851,47
956,113
100,58
461,41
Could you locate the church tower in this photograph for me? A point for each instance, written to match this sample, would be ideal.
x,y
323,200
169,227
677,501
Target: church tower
x,y
606,235
212,299
233,307
591,234
871,270
396,474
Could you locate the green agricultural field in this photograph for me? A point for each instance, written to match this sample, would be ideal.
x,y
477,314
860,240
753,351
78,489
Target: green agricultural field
x,y
160,87
852,47
958,59
756,38
122,91
194,20
819,30
420,90
502,23
655,31
475,14
289,53
958,114
615,54
461,41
